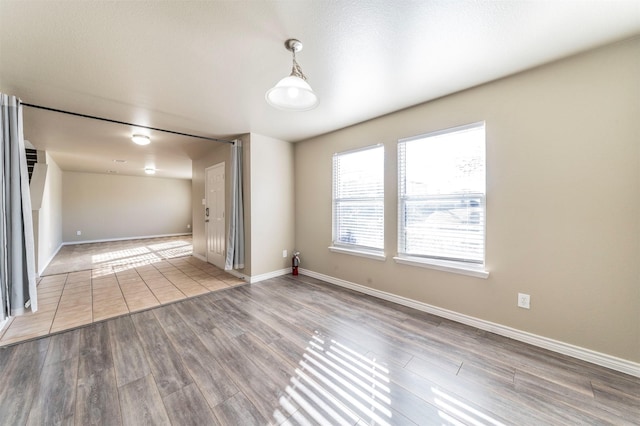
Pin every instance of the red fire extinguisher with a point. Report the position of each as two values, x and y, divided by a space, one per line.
295 262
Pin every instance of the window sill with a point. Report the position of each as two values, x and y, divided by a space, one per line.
362 253
443 265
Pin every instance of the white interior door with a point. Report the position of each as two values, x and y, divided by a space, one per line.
214 215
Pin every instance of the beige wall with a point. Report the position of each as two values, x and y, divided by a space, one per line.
271 204
48 230
107 207
563 202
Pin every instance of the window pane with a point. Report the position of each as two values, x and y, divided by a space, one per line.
358 198
445 227
360 223
442 190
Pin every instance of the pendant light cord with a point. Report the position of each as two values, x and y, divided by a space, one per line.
296 71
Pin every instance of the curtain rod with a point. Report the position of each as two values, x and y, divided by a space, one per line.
108 120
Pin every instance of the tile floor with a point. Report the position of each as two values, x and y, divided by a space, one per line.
110 289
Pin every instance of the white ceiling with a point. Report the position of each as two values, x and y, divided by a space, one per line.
203 67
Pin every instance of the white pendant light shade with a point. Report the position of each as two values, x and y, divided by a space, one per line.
139 139
292 94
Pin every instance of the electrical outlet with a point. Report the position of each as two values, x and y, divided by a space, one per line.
78 232
188 226
284 253
524 301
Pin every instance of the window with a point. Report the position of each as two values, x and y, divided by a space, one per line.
441 191
358 199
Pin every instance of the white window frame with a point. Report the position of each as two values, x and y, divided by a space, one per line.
460 266
376 253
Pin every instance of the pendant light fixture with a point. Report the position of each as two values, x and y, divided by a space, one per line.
139 139
292 93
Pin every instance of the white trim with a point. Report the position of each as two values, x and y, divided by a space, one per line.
49 260
238 274
598 358
442 265
106 240
199 256
362 148
257 278
269 275
4 323
247 278
359 252
453 129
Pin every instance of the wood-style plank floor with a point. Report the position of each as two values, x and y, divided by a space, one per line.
297 351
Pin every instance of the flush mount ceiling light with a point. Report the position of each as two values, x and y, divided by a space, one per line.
141 139
150 171
292 93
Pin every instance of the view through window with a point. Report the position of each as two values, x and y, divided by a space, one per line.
442 195
358 198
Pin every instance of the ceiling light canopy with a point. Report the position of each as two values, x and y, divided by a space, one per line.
141 139
293 93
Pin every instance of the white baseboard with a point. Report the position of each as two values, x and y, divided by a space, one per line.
41 270
106 240
598 358
268 275
238 274
250 279
233 272
3 323
257 278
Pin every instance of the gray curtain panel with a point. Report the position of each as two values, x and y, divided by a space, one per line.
17 257
235 240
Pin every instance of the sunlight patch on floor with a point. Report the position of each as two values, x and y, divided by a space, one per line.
334 384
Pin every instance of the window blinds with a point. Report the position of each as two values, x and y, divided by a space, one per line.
441 194
358 198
